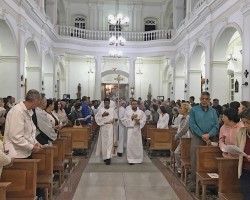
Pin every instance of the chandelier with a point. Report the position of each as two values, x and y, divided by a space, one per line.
118 20
115 53
117 40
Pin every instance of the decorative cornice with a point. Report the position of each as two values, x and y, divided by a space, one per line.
9 59
246 9
33 69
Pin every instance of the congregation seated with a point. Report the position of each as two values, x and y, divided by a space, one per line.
155 115
2 114
76 114
176 118
163 118
229 129
53 119
60 113
45 132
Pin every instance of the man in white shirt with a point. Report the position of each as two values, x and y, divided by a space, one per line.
120 130
19 127
134 120
105 145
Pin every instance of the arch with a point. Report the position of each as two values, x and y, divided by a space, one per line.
222 41
108 72
195 58
32 54
7 40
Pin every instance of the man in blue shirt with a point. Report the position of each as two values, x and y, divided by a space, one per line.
85 109
204 124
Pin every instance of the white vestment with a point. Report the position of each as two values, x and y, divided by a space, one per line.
163 121
105 141
134 138
120 134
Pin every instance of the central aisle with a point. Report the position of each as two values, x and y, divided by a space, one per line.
121 181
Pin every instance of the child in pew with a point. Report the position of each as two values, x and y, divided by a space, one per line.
243 142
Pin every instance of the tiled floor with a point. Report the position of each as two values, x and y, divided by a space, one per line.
121 181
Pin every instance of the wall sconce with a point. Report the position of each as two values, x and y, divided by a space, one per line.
186 85
206 88
246 73
42 83
132 90
21 77
246 84
22 85
207 81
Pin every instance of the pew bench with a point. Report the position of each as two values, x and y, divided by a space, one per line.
144 132
206 162
185 158
68 149
3 188
59 158
229 184
81 137
23 177
45 170
160 139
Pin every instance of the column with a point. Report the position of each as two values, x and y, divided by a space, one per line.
137 22
98 78
220 82
131 16
208 49
55 78
172 91
100 17
186 77
68 13
44 48
21 52
246 51
178 12
91 21
188 9
131 79
51 10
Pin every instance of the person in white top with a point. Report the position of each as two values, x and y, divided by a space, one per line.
105 145
19 127
176 118
163 118
134 120
4 158
120 130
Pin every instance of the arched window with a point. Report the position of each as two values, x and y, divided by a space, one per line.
80 22
150 24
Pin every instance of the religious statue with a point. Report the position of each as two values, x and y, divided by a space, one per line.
149 92
78 94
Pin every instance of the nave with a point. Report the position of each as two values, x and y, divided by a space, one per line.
121 181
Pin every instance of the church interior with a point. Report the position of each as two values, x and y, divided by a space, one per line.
80 54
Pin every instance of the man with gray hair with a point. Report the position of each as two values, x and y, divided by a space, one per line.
19 127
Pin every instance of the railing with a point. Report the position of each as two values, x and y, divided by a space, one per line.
69 31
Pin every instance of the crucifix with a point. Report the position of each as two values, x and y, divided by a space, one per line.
118 79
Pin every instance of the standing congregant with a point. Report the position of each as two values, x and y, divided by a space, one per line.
134 120
105 144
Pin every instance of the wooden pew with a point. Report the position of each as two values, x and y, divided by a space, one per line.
80 137
229 184
185 158
144 132
160 139
23 177
206 162
45 170
68 149
59 158
3 188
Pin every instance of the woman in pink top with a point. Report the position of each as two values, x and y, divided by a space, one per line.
229 130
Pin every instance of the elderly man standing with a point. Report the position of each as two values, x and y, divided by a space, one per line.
105 118
204 124
134 120
20 129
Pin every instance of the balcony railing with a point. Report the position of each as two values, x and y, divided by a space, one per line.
69 31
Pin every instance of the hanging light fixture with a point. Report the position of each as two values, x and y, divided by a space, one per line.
117 40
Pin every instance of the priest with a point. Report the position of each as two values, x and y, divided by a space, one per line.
134 120
105 145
